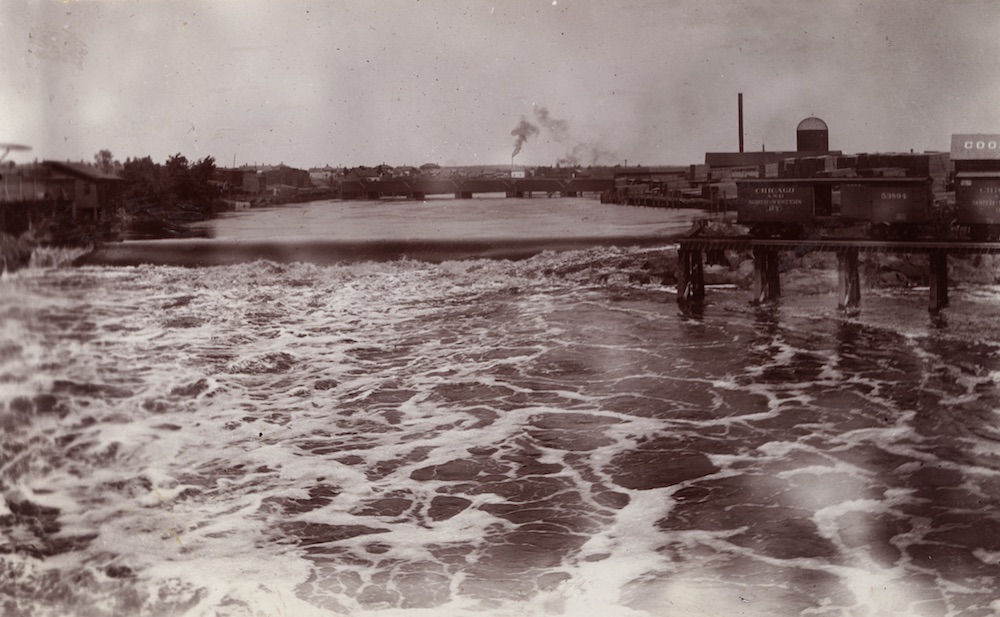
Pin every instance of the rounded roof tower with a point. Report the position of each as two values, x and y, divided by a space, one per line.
812 123
812 135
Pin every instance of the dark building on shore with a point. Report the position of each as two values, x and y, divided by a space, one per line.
287 176
244 180
78 192
255 180
93 191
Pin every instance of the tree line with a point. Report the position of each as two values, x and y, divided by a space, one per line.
164 196
178 180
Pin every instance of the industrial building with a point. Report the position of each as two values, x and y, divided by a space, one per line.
713 183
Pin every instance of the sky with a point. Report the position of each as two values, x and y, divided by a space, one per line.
408 82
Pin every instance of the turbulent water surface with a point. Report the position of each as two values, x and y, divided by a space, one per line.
538 437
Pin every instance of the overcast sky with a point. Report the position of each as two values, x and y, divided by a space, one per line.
361 82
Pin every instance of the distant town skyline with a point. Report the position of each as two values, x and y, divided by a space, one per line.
409 82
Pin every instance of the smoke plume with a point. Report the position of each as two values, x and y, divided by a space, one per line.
577 151
587 153
558 128
522 132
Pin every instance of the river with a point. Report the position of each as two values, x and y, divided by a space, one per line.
540 436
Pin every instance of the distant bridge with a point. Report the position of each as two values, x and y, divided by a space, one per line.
465 188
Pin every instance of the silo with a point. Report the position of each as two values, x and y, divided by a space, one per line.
812 135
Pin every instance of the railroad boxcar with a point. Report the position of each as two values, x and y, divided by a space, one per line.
892 208
770 208
977 204
889 207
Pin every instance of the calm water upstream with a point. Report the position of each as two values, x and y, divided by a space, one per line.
488 437
450 219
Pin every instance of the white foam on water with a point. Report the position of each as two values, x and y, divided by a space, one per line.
275 438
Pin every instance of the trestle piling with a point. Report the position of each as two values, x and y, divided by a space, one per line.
691 278
938 280
766 282
766 285
848 279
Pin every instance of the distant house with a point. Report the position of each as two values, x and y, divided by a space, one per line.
322 176
91 190
384 170
361 174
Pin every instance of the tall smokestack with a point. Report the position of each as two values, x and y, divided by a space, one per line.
739 102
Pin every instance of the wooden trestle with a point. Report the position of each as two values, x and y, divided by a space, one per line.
766 255
690 276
